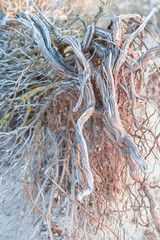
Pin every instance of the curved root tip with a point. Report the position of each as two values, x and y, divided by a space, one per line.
84 193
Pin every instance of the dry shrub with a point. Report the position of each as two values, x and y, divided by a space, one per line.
80 119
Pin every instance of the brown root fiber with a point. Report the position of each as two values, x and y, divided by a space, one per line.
76 118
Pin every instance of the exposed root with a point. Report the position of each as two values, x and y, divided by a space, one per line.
75 116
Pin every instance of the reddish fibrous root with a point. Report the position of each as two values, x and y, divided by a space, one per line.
145 187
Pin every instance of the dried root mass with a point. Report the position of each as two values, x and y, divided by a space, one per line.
75 117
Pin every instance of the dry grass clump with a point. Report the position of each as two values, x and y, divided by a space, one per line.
80 120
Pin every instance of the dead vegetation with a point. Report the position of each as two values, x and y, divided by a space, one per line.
80 119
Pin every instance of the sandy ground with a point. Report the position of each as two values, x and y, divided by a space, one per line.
15 206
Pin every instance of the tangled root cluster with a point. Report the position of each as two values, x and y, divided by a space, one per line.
79 120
